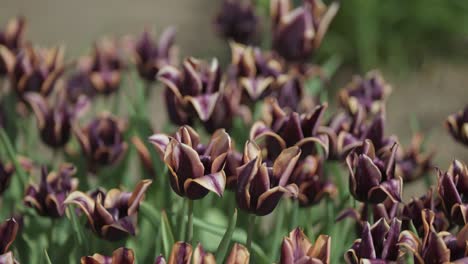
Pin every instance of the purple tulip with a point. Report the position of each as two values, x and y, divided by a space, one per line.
457 125
119 256
297 249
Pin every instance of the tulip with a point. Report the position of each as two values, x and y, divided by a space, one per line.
6 172
413 164
289 92
8 231
298 33
150 57
197 86
377 244
308 176
260 186
237 20
184 254
48 197
105 67
195 169
11 40
181 253
102 140
453 190
282 130
36 70
297 249
200 256
457 125
79 83
369 92
119 256
239 255
112 215
55 122
372 179
233 161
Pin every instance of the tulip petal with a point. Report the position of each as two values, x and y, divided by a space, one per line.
388 189
160 142
200 256
269 200
123 256
215 182
85 203
285 164
366 248
181 253
203 104
8 231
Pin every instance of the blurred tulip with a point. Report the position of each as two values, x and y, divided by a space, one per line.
369 92
112 215
200 256
237 20
102 140
8 231
372 179
197 86
48 197
6 172
289 92
181 253
11 40
297 249
55 122
260 186
79 83
413 163
453 190
150 57
119 256
457 125
308 176
106 67
145 155
195 169
36 70
377 244
298 33
281 130
239 255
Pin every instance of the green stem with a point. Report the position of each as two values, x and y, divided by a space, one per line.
251 224
181 221
189 234
280 213
294 215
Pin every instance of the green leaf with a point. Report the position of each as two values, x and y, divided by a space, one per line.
167 236
46 257
224 244
79 233
6 143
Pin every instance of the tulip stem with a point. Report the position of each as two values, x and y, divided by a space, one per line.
251 223
295 214
189 234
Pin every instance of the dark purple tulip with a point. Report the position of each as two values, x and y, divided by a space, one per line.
119 256
151 56
457 125
11 40
298 249
298 33
281 130
412 211
48 197
378 244
112 215
79 83
413 164
370 93
55 122
6 171
233 161
453 190
102 140
195 169
197 86
260 186
372 178
36 70
237 21
106 67
308 176
8 231
289 92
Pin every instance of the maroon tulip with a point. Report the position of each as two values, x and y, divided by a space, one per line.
196 86
195 169
105 67
102 141
112 215
237 21
6 171
308 176
150 57
453 190
260 186
36 70
297 249
281 130
457 125
11 40
370 93
372 178
8 231
119 256
48 197
298 33
377 244
55 122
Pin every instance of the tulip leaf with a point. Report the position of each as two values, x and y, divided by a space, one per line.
46 257
6 143
77 228
167 236
224 244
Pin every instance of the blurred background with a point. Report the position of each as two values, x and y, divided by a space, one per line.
420 46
